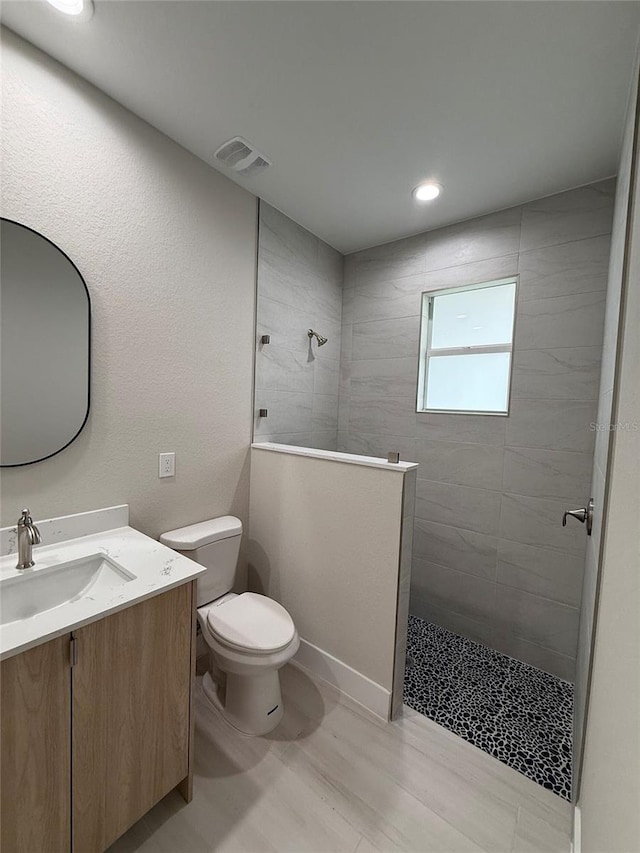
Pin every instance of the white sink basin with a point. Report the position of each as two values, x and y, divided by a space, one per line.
38 590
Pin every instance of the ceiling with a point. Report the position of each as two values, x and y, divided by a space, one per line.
357 102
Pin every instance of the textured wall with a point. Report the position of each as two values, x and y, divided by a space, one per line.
490 559
167 248
299 287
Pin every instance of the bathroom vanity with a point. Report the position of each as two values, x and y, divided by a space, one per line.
96 718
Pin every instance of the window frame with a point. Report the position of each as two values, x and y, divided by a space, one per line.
427 352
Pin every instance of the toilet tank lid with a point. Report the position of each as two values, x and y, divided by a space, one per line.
203 533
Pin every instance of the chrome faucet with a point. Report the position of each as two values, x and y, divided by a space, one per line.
28 536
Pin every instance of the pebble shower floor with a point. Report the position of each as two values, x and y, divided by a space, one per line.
520 715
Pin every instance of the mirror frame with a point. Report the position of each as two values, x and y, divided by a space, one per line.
89 365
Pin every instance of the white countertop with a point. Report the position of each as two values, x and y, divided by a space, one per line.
157 569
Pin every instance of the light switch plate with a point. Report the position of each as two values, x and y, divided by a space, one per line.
166 464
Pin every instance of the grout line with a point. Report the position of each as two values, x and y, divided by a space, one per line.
502 490
494 583
514 254
497 537
575 295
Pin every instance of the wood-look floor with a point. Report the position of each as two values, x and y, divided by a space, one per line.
334 779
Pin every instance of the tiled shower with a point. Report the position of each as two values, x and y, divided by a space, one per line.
491 561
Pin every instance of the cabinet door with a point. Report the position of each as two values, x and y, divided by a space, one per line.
131 703
35 745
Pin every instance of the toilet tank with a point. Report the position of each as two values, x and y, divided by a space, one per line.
214 544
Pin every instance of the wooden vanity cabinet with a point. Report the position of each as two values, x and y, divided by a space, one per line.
35 750
98 727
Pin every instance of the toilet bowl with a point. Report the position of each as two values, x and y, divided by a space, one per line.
248 641
249 636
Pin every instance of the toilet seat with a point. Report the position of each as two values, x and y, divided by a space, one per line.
251 623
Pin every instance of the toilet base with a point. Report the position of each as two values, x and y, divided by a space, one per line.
252 703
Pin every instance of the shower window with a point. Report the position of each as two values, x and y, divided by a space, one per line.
466 341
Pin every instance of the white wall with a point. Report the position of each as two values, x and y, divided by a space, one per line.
610 784
167 248
325 542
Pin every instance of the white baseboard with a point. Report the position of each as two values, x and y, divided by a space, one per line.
576 843
363 690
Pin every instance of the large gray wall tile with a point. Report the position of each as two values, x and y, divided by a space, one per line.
563 666
574 215
454 548
551 424
539 620
383 377
281 369
386 300
331 264
491 236
363 444
468 595
478 465
387 262
389 416
474 429
409 496
287 285
476 272
563 374
324 413
288 412
421 605
286 324
324 440
398 338
538 521
547 473
297 439
299 287
565 270
458 506
285 243
562 321
347 305
326 376
542 571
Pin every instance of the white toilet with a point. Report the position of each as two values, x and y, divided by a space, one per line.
249 636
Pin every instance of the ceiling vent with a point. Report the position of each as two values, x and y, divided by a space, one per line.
240 156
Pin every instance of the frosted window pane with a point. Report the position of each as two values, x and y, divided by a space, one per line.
473 317
470 383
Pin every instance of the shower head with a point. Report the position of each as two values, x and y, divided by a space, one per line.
321 340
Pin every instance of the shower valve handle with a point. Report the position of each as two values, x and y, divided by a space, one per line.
583 514
579 514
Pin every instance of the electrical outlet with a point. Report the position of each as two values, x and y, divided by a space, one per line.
166 464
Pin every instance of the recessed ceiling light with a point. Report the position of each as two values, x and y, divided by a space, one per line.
461 316
81 10
427 191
